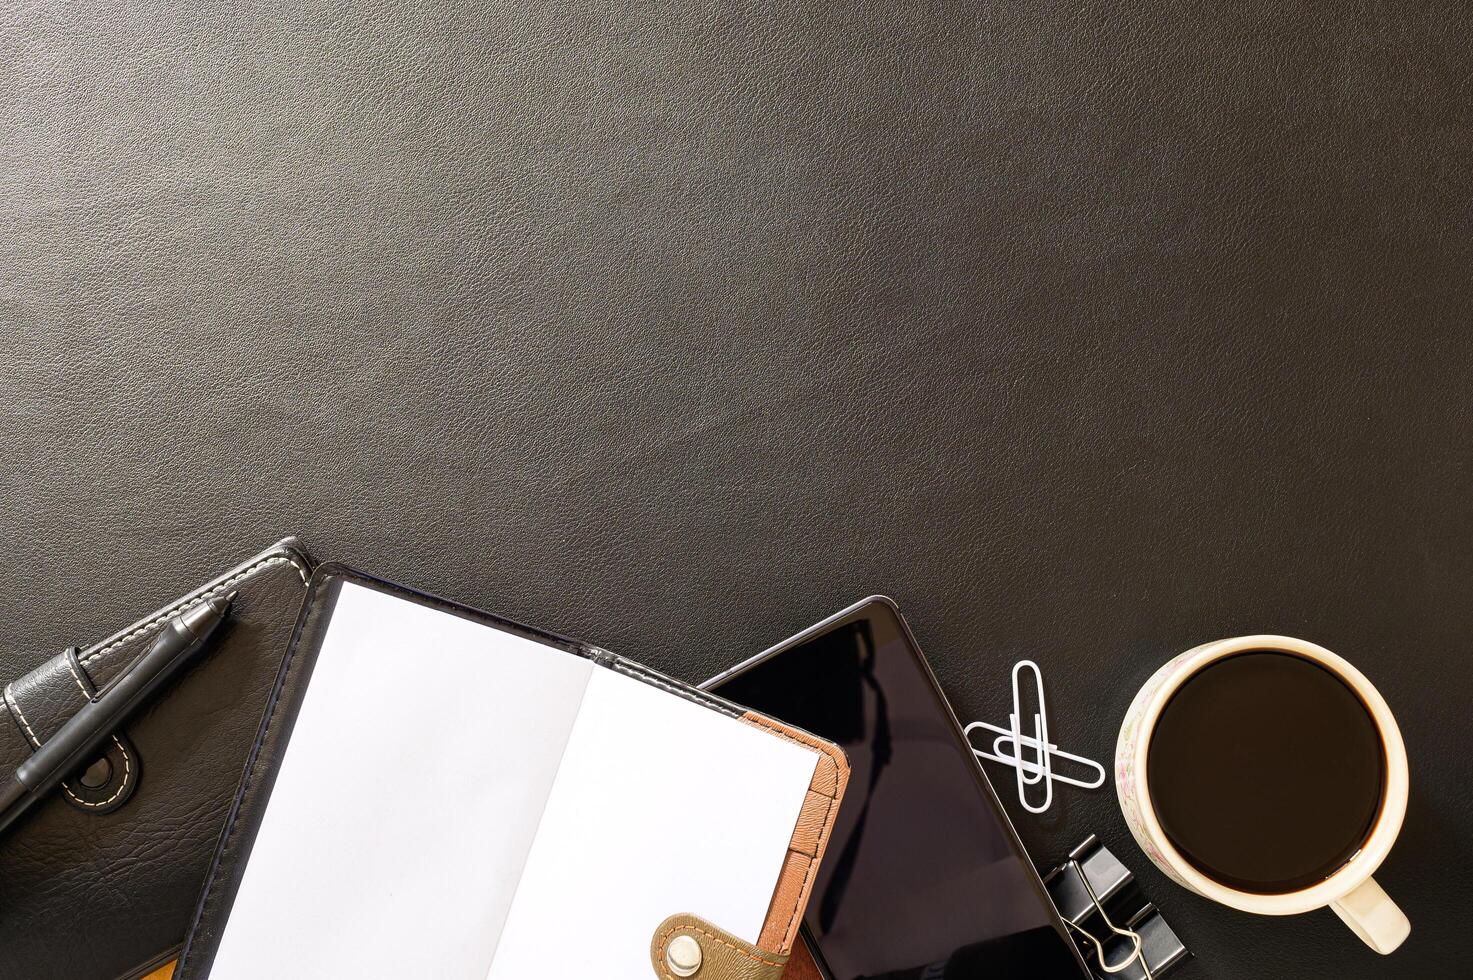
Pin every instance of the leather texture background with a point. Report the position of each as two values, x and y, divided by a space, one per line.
1088 332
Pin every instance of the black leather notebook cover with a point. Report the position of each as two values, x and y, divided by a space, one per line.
101 881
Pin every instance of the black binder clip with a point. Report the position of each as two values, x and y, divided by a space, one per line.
1121 935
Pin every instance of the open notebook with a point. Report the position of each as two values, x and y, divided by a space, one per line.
442 794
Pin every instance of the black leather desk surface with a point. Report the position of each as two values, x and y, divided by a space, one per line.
1088 333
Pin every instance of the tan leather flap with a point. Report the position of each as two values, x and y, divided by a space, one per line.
686 947
810 836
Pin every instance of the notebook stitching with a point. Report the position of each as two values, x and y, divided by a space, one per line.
15 709
633 670
127 771
127 759
828 811
254 759
168 611
85 693
827 827
808 873
10 702
648 677
665 938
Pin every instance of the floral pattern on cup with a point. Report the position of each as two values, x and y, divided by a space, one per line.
1126 750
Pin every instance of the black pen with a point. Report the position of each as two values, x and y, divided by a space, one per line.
75 742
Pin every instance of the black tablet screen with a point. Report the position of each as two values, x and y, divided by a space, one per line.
922 879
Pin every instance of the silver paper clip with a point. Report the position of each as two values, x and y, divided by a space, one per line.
1010 744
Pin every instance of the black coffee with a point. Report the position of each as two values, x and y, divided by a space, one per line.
1266 772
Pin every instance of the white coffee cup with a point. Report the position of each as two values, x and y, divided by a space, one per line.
1350 891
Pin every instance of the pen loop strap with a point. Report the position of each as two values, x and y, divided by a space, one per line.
41 701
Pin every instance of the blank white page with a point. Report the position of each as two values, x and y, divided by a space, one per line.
661 806
407 798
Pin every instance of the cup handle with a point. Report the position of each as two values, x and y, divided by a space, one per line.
1374 917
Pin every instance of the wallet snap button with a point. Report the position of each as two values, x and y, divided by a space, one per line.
97 775
683 956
